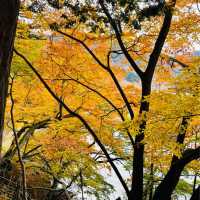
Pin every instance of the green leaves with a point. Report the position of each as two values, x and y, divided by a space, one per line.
183 187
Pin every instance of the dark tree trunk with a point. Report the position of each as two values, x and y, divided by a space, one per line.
146 78
138 157
9 10
196 194
151 182
167 186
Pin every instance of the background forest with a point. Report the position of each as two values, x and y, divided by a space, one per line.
99 99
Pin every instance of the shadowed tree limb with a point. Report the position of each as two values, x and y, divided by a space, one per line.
146 79
99 94
174 60
166 187
85 46
24 132
177 165
196 194
160 42
181 136
9 10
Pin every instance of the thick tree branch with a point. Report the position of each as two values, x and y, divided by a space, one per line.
9 10
188 156
167 186
119 39
181 136
159 42
177 165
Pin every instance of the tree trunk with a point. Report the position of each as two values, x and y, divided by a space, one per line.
151 182
138 157
9 10
167 186
196 194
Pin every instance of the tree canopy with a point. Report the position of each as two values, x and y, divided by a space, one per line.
96 87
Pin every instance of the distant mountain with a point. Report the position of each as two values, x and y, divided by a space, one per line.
132 77
196 53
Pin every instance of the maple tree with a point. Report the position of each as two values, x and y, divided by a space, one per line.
150 124
59 150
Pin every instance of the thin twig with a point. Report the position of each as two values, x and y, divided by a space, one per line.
23 173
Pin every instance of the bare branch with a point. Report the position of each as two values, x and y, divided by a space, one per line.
174 60
159 43
189 155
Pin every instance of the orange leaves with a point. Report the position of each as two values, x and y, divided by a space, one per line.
185 3
163 75
60 142
86 86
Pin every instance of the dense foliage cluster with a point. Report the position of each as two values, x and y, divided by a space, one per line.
101 87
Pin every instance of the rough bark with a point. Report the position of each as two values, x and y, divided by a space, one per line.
9 10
